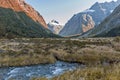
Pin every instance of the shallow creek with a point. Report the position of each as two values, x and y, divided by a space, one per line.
28 72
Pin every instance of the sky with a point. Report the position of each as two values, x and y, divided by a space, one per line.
61 10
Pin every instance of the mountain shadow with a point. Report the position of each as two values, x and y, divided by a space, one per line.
18 24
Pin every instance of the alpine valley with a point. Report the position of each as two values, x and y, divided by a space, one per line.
86 48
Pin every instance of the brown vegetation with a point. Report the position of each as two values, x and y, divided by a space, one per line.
92 51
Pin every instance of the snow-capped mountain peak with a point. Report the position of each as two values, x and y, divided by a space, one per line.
55 26
54 21
89 18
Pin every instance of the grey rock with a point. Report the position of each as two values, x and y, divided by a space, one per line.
85 23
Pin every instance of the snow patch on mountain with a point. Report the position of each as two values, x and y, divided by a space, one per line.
88 10
89 18
111 11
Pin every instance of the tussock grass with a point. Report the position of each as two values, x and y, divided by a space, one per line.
90 51
98 72
111 72
39 78
100 55
12 58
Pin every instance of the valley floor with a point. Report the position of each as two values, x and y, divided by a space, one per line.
95 53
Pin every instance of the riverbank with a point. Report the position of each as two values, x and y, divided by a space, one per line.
98 72
90 51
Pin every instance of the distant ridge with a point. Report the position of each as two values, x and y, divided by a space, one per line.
88 19
110 27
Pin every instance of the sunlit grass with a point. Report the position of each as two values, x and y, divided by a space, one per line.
93 51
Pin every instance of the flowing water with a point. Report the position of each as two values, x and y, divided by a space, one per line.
28 72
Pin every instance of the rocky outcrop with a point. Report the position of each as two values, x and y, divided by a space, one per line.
55 26
78 24
21 6
95 14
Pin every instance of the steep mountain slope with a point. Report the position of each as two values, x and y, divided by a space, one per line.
21 6
77 25
54 26
19 20
110 27
80 23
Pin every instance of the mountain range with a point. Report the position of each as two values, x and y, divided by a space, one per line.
109 27
18 19
88 19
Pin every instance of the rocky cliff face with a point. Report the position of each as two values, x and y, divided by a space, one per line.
109 27
77 25
80 23
55 26
21 6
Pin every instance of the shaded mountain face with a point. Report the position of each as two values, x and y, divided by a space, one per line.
55 26
17 22
109 27
88 19
77 25
21 6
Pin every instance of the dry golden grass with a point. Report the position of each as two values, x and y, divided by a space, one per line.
93 51
111 72
39 79
93 73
